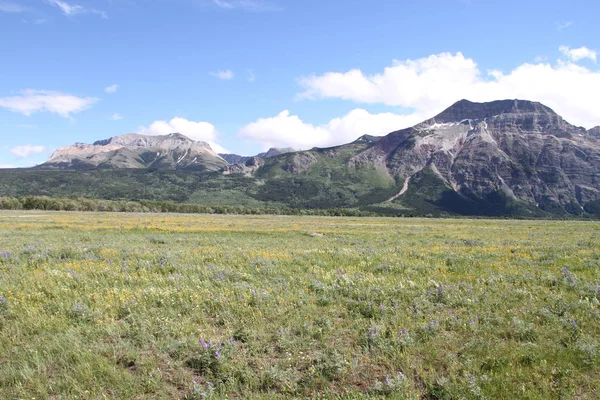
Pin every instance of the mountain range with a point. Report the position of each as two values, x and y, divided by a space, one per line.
508 157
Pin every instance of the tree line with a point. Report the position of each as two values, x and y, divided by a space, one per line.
147 206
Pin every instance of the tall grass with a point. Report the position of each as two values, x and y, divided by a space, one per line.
102 305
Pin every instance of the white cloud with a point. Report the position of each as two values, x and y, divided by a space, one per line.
71 10
223 4
563 25
111 88
27 150
430 84
223 75
289 130
116 117
31 101
67 8
202 131
7 166
27 126
247 5
251 76
10 7
195 130
578 53
217 148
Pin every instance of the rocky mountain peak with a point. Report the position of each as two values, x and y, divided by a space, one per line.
132 150
135 140
367 139
275 151
465 110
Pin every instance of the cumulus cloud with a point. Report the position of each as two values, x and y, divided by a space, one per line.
428 85
195 130
289 130
71 10
203 131
31 101
223 75
217 148
7 166
579 53
27 150
111 88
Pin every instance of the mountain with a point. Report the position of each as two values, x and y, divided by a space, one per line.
272 152
234 158
276 151
509 156
501 158
173 151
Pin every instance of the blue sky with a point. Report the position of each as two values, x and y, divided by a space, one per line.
250 74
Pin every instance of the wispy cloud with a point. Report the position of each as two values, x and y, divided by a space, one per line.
31 101
111 88
71 10
579 53
26 126
10 7
116 117
248 5
251 76
27 150
223 75
563 25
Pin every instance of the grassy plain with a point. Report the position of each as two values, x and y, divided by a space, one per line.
138 306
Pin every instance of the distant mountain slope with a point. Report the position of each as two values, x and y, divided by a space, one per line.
272 152
173 151
497 157
502 158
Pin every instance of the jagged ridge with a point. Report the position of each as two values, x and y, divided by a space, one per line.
173 151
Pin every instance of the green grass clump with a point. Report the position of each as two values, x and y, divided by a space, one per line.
138 306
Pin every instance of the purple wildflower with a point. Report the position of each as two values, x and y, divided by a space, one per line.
5 254
203 344
432 326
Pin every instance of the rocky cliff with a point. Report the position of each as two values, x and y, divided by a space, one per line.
173 151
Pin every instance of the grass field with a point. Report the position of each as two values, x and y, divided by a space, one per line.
132 306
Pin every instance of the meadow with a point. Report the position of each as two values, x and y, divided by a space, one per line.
168 306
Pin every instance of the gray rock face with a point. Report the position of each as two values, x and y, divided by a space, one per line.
521 148
173 151
247 168
272 152
234 158
275 151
